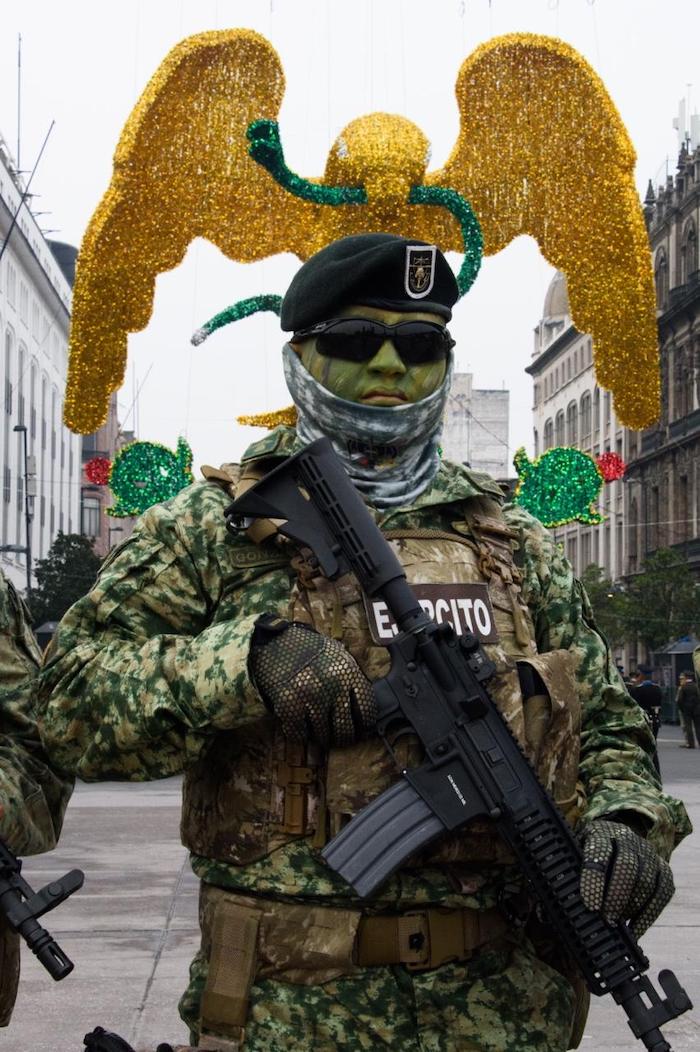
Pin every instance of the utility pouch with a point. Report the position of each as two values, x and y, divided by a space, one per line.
232 966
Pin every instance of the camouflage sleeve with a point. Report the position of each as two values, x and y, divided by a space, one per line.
616 768
33 796
140 673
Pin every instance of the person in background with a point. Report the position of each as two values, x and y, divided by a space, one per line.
648 696
688 701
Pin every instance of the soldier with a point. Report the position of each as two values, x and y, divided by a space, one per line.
33 797
688 701
167 666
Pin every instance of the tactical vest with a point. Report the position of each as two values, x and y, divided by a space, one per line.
252 792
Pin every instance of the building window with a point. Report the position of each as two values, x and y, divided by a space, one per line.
571 551
8 374
682 390
90 517
11 285
682 525
537 442
559 432
586 417
44 407
689 252
661 278
571 424
36 319
548 435
21 365
32 399
632 545
23 303
607 410
585 549
7 485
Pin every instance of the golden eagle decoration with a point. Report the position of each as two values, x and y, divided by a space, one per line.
541 151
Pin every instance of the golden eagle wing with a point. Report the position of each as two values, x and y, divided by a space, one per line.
542 151
181 171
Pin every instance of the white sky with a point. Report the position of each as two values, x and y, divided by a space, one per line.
85 62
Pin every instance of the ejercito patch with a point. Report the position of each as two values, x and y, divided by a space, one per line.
420 270
467 607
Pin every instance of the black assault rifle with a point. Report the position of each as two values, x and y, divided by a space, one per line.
21 906
473 765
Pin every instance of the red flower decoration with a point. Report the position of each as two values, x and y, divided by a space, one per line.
97 470
611 466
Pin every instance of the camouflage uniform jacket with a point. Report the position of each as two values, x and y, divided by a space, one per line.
32 796
148 677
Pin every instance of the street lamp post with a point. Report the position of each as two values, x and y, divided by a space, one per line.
28 505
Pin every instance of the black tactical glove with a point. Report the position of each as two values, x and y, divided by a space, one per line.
622 876
311 683
101 1040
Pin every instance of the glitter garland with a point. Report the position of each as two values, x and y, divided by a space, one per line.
612 466
541 151
287 416
97 470
266 149
242 309
560 486
473 242
146 473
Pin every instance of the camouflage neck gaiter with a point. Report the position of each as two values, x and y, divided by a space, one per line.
390 452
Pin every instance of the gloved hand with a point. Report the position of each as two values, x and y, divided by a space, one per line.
311 683
622 876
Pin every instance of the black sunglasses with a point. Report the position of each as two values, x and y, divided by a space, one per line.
359 339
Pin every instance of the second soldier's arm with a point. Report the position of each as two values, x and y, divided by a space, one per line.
33 796
154 659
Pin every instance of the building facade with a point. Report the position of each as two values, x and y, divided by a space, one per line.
664 491
569 409
35 302
103 530
475 428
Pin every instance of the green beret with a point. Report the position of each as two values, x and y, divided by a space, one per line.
371 270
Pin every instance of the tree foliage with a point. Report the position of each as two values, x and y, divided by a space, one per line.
608 604
66 574
657 606
662 603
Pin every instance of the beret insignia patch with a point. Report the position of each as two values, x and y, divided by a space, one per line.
420 270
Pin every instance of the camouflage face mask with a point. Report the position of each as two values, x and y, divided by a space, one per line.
390 452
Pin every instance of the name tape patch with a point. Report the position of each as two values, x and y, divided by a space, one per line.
467 607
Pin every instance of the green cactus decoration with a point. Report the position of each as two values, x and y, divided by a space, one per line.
560 486
146 473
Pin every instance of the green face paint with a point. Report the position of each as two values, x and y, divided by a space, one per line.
383 380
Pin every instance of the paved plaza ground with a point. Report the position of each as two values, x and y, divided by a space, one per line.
132 930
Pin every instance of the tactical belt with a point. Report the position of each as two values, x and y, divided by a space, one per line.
245 937
425 939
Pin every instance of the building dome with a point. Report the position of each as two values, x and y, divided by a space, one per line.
556 301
